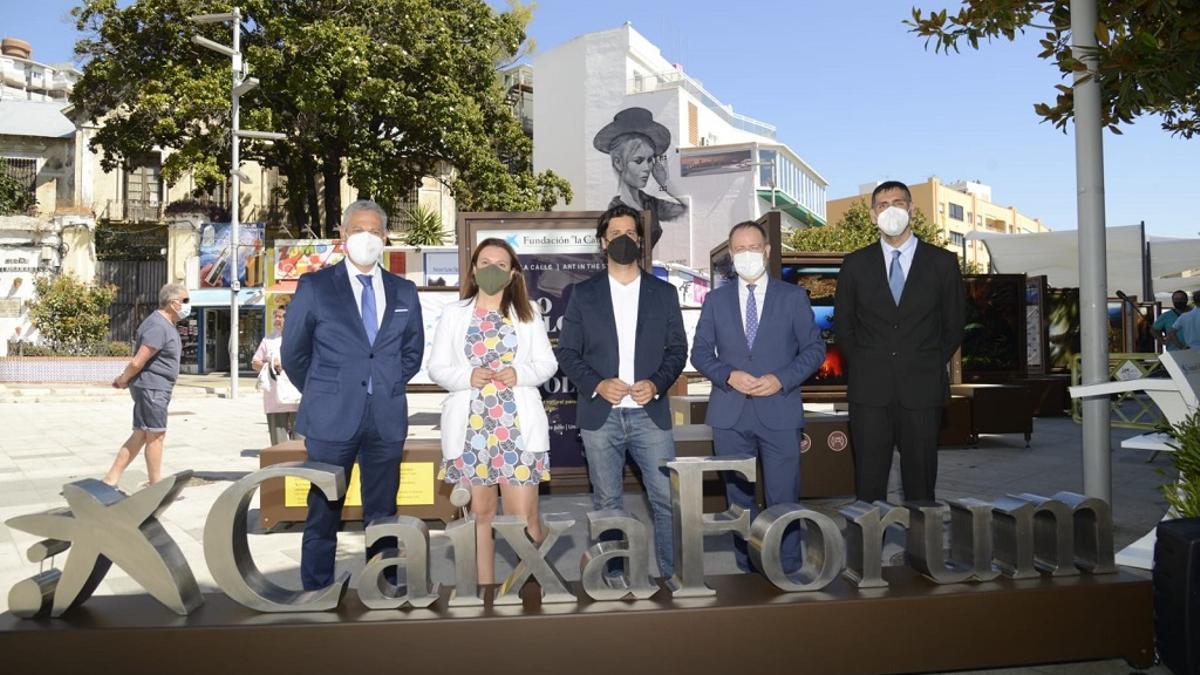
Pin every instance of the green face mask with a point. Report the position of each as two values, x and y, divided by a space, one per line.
492 279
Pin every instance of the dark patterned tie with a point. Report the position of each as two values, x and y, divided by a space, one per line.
751 316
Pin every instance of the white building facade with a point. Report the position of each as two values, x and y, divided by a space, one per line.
608 105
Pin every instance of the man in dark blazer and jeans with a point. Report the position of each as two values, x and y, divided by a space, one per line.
898 317
622 344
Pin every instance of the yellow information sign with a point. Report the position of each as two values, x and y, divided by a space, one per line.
416 487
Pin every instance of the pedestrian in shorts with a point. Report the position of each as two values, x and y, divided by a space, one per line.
150 378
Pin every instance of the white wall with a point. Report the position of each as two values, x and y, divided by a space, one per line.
558 116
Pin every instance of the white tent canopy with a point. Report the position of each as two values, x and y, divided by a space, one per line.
1056 255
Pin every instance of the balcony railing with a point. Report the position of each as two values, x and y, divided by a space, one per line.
142 210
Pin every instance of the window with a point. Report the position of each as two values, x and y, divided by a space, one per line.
956 211
693 114
970 217
143 190
766 173
958 239
23 169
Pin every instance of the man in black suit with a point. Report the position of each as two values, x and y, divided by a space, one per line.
622 344
898 317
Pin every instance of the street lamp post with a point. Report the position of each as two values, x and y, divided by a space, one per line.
1093 285
241 84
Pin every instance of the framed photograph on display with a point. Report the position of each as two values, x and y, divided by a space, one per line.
1145 341
994 347
1062 328
1035 325
818 274
432 300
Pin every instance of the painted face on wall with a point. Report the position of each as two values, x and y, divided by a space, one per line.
632 158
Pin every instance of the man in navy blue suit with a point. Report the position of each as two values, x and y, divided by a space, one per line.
353 340
622 344
757 342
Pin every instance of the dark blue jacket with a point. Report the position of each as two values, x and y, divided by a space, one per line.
587 346
327 356
787 345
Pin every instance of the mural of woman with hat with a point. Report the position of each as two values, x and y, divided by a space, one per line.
637 146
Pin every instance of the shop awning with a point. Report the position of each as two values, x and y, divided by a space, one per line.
1131 257
219 297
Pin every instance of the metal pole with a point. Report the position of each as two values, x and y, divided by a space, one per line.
1093 288
1147 280
234 233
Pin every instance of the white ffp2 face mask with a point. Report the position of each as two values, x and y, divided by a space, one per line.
749 264
364 248
893 221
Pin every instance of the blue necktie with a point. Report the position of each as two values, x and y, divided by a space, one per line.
370 323
896 277
751 316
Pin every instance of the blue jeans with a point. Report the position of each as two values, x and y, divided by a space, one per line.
631 430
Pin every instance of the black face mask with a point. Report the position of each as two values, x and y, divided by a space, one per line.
1181 306
624 250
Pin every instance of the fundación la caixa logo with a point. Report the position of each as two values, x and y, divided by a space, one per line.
1016 536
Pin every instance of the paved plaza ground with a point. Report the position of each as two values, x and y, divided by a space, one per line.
53 436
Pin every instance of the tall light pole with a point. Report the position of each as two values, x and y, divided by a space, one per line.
1093 265
240 85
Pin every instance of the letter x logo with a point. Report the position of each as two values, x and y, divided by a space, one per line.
101 527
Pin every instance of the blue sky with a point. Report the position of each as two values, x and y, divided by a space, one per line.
859 98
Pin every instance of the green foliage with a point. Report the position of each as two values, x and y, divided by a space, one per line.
71 315
423 227
14 197
215 213
855 230
116 241
383 92
1148 53
1184 495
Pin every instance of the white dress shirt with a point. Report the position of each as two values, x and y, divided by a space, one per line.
376 282
625 311
907 250
760 296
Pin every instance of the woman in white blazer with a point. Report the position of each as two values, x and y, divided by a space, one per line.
490 351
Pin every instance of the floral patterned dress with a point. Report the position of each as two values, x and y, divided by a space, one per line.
494 451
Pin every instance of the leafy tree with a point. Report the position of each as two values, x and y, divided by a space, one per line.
71 315
382 92
117 241
855 230
423 227
1148 52
15 198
